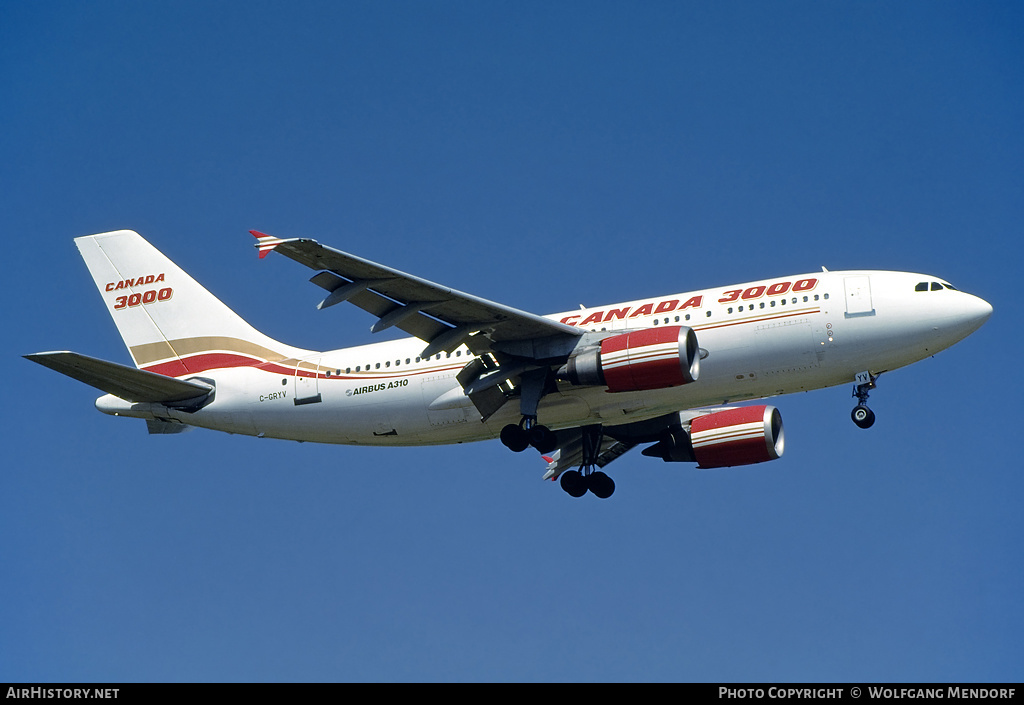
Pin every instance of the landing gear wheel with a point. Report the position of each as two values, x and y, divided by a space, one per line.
600 484
542 438
514 438
573 483
862 416
588 477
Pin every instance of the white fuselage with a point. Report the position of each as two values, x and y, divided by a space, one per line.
761 339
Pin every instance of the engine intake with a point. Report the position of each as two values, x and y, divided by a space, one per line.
652 358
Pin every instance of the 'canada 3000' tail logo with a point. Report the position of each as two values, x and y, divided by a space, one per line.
136 298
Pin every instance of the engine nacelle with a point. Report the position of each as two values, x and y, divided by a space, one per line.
652 358
751 434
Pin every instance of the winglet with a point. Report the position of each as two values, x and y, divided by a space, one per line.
266 242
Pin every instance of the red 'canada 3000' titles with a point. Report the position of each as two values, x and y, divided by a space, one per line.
668 305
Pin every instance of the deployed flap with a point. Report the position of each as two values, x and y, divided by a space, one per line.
570 452
429 311
159 426
122 381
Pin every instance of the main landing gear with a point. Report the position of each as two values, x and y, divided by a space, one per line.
861 414
576 483
588 477
518 438
529 433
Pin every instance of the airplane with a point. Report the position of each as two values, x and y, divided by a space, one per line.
674 373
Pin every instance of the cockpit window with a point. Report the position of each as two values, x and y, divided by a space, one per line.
934 286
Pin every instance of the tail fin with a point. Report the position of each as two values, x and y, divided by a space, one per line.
170 323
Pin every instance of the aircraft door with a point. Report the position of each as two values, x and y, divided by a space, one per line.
307 381
858 296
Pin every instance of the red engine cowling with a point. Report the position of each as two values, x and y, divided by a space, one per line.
744 436
652 358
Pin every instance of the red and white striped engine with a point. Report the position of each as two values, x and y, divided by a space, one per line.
743 436
652 358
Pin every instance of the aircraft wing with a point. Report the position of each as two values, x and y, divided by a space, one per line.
618 440
442 317
569 454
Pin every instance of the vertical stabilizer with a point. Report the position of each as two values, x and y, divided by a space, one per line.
170 323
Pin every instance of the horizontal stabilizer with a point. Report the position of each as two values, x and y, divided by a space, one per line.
122 381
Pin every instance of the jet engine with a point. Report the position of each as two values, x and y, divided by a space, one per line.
652 358
751 434
742 436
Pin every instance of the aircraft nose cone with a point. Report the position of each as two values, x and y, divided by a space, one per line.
977 310
971 313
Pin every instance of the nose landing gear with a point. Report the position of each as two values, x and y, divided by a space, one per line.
861 414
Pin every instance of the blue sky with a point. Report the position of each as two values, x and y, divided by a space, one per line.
542 155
